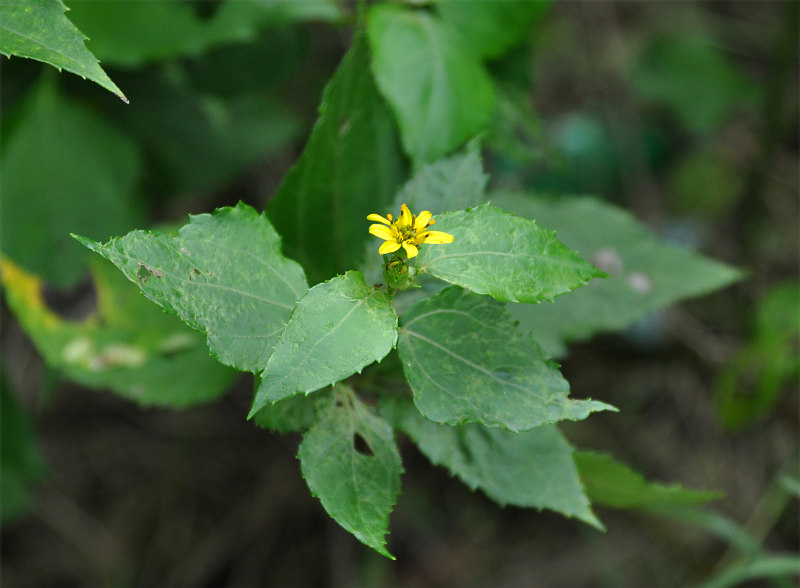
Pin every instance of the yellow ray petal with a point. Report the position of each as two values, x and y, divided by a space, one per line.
438 237
422 220
411 249
380 219
389 247
405 216
383 232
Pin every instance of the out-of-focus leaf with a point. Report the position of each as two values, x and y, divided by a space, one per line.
441 94
350 167
646 274
488 27
130 345
223 274
21 461
38 29
201 142
130 33
693 78
510 258
451 183
467 362
336 329
350 462
529 469
705 183
64 170
769 364
611 483
290 415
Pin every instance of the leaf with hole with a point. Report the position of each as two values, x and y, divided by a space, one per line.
350 461
222 274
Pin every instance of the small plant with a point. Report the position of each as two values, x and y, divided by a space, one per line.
444 331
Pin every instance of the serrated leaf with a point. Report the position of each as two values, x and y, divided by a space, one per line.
509 258
129 345
335 330
350 461
65 169
440 92
350 165
467 362
450 183
529 469
223 274
611 483
488 27
645 273
38 29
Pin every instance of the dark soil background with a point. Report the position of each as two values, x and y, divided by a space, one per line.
200 498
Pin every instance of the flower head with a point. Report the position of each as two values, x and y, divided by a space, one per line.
407 231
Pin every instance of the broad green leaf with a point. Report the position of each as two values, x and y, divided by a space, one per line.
129 345
131 33
695 78
21 461
38 29
287 416
768 365
335 330
65 170
488 27
466 361
529 469
510 258
222 274
440 92
451 183
351 166
350 461
646 274
611 483
202 143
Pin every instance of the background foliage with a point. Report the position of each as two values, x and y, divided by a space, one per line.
684 116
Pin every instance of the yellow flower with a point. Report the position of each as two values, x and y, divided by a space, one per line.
408 231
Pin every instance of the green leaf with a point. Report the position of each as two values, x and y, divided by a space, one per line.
131 33
450 183
611 483
335 330
39 30
290 415
199 142
64 169
695 78
507 257
351 166
466 361
350 461
223 274
439 91
646 274
530 469
129 345
489 28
